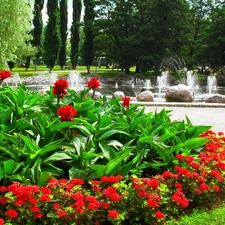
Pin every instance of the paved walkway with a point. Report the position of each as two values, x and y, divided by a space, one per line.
198 113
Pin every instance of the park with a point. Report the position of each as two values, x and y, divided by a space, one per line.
75 151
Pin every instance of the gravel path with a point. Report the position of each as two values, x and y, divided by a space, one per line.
213 115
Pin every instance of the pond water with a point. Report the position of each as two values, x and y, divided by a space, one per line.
44 81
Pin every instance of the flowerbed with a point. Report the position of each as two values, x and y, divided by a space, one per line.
195 182
67 158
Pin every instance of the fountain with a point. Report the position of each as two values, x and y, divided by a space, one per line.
116 85
191 79
148 83
211 84
162 81
74 79
54 77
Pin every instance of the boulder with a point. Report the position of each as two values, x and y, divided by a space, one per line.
118 94
96 96
216 99
180 93
145 96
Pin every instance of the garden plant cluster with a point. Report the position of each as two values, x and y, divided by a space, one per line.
67 158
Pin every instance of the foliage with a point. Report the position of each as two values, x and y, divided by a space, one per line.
15 23
75 36
63 32
87 48
38 27
107 137
198 183
52 38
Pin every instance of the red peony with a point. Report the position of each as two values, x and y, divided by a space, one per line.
114 214
67 113
60 87
94 83
126 101
11 213
4 74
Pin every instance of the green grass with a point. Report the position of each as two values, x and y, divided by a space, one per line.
102 72
215 217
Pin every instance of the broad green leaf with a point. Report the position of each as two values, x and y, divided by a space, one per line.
58 156
108 152
115 162
9 166
79 173
43 178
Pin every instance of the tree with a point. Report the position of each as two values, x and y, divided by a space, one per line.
214 50
15 23
63 31
75 37
87 50
52 39
38 27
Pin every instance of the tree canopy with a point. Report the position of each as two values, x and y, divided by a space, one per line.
15 20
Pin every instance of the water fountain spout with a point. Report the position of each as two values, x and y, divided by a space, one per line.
148 83
191 79
74 79
211 84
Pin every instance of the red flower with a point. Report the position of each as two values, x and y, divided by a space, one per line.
216 188
153 183
126 101
180 199
105 205
45 198
11 213
61 213
94 83
2 222
115 197
67 113
3 189
5 74
4 200
35 209
159 215
204 187
60 87
46 190
109 191
152 203
113 213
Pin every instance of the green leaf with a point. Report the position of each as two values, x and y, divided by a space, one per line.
43 178
6 115
9 166
58 156
108 152
116 161
79 173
